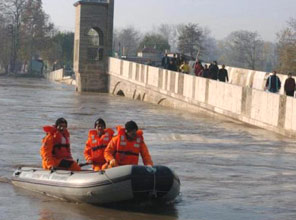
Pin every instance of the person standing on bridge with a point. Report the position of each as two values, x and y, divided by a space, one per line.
273 83
223 74
165 61
98 139
290 85
198 68
125 148
213 70
55 150
185 68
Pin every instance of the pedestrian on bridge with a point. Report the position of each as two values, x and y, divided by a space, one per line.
290 85
213 70
273 83
185 68
223 74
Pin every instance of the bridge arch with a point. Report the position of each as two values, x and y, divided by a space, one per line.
139 97
120 93
161 101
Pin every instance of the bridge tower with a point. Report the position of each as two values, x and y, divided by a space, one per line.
93 44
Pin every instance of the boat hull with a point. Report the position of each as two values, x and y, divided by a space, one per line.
113 185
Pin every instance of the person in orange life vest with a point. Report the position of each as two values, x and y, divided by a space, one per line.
97 141
55 150
124 149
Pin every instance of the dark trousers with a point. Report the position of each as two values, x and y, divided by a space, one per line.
290 93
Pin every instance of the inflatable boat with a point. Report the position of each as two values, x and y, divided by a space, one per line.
138 183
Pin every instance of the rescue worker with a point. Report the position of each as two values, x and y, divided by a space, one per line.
55 150
125 148
98 139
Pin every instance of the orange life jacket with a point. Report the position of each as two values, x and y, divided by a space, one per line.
61 142
99 144
127 152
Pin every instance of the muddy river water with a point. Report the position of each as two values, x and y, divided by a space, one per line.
228 170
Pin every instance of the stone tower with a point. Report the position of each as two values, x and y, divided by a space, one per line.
93 44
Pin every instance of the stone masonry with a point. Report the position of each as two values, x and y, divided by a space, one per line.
93 44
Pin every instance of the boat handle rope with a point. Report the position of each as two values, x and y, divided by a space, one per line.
154 193
153 171
108 178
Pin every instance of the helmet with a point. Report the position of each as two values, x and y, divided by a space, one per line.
60 121
100 122
131 125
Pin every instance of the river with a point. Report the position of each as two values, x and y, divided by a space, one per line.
228 170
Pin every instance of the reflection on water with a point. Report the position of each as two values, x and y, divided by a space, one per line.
228 170
48 208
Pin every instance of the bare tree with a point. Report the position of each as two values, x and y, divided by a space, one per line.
190 39
287 47
5 44
13 10
209 49
243 49
127 41
36 29
28 29
270 59
169 32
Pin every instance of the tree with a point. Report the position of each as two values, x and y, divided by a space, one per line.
5 44
169 32
243 49
36 30
209 49
29 29
190 39
287 47
127 41
270 58
60 48
13 10
155 41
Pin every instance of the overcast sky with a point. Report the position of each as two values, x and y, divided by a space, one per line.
267 17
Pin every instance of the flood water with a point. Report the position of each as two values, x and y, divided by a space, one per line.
228 170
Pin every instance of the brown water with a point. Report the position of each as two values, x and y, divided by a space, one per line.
228 170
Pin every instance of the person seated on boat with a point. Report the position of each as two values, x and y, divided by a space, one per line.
97 141
124 149
55 150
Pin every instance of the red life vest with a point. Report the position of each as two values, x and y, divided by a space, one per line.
99 144
127 152
61 143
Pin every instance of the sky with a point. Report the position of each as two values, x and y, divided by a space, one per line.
221 17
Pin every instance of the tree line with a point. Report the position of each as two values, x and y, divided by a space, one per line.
243 49
26 33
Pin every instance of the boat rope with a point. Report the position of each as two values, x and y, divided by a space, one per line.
153 171
154 193
108 178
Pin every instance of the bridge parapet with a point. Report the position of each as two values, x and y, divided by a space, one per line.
159 86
